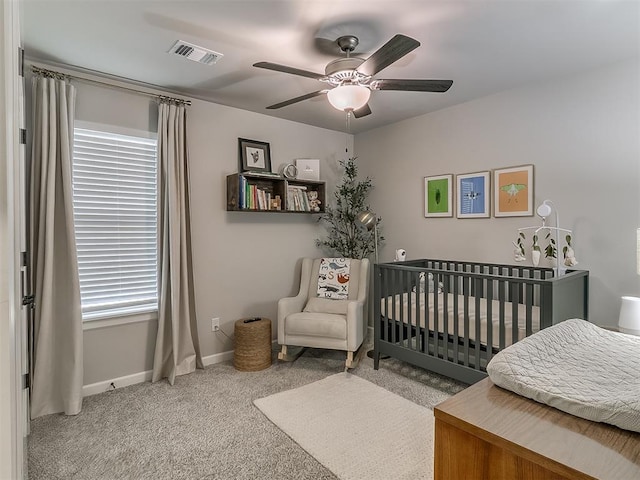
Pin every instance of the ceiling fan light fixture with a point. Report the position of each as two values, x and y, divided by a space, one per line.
348 97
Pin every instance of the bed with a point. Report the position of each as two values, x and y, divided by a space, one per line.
452 317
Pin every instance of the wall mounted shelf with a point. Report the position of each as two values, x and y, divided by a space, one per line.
248 192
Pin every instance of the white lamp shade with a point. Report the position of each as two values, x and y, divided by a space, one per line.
629 321
348 97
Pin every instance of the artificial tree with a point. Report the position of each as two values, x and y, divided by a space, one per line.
345 237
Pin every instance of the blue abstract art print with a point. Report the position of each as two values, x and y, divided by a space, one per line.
473 195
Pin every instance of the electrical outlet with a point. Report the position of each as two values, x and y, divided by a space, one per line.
215 324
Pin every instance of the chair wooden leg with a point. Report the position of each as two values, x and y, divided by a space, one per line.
290 355
349 362
283 353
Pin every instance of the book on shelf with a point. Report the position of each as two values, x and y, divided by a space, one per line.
253 197
241 188
297 199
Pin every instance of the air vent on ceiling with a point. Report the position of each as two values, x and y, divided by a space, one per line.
195 53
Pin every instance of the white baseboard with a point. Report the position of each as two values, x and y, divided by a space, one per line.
141 377
217 358
119 382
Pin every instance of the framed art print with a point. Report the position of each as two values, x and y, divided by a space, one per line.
473 195
254 156
513 191
438 196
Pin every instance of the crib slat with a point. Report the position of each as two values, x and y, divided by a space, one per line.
397 295
384 288
445 326
514 315
415 345
489 320
415 330
529 310
465 318
424 348
456 322
478 338
502 287
390 303
436 313
404 316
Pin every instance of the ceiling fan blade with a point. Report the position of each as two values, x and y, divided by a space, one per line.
393 50
413 85
296 100
291 70
362 111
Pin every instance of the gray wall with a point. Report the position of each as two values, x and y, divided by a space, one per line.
243 262
582 135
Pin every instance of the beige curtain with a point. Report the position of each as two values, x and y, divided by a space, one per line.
177 345
57 336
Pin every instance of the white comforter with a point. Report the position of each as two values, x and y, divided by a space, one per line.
578 368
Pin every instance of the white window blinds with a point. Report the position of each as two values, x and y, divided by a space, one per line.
115 210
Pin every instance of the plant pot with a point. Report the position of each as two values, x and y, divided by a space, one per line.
535 257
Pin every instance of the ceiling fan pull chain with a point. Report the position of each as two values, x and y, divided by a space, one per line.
346 138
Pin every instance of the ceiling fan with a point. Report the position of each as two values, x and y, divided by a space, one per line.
351 78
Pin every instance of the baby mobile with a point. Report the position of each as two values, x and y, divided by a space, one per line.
551 234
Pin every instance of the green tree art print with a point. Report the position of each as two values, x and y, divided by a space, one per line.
438 196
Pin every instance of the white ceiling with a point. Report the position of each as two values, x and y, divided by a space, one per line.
483 46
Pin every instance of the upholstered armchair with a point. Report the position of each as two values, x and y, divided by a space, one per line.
311 320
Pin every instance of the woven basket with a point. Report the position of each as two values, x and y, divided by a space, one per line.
252 345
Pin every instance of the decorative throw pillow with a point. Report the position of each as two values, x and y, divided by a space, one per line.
333 278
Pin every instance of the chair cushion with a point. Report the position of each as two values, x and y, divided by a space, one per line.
326 305
317 325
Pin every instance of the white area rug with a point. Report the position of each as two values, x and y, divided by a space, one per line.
355 428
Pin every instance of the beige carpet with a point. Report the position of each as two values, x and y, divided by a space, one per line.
356 429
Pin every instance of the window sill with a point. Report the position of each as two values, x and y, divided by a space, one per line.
121 320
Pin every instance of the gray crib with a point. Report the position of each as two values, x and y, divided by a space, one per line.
451 317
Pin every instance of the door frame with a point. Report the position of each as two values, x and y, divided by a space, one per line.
12 410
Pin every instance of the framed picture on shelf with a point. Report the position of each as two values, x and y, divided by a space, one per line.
513 191
308 169
473 195
438 196
254 156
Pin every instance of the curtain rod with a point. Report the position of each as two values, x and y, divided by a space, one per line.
63 76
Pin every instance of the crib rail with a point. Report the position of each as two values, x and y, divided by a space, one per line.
461 313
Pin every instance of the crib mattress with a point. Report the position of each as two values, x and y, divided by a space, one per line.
407 311
578 368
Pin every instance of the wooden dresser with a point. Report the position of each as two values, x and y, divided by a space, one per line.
488 433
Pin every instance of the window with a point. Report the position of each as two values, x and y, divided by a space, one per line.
115 210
